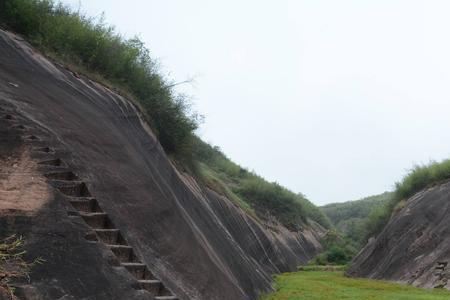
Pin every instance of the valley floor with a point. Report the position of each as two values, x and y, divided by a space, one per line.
317 285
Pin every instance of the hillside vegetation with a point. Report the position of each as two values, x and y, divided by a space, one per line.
91 47
256 195
315 285
352 217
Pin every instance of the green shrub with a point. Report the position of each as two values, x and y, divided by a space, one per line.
338 250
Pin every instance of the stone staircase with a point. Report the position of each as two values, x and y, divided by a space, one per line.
442 273
84 205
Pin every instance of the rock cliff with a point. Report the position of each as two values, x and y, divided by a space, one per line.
86 182
414 247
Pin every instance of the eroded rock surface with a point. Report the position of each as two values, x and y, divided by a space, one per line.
89 163
414 247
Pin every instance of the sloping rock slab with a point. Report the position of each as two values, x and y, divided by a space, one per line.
414 247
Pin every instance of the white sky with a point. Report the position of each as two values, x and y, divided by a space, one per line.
334 99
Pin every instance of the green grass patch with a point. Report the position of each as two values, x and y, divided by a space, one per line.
334 285
325 268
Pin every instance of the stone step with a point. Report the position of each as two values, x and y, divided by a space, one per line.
109 236
138 270
19 127
91 236
53 163
31 138
152 286
85 204
62 175
97 220
71 188
42 149
123 252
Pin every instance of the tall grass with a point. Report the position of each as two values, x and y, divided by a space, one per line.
126 63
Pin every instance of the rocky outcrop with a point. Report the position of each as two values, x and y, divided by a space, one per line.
86 182
414 247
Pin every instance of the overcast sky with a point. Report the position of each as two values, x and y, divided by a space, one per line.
334 99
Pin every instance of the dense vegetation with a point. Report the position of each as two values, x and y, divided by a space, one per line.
313 285
339 213
265 199
338 250
352 218
351 221
95 49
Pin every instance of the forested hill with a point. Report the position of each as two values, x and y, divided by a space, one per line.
352 217
338 213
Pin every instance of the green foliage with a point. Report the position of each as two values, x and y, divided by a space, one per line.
420 177
357 219
338 250
338 212
319 285
125 63
266 199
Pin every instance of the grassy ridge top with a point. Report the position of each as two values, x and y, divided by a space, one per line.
256 195
98 51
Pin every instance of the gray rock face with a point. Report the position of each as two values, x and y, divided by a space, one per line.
84 179
414 247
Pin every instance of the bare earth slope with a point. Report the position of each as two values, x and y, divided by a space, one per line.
414 247
81 175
